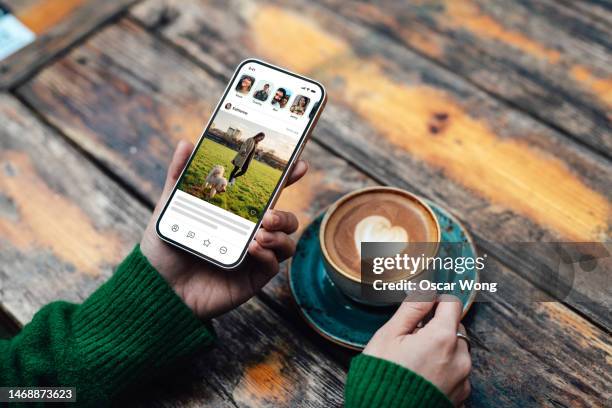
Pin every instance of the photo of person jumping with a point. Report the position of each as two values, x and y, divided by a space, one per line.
244 156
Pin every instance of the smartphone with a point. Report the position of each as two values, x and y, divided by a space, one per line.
241 162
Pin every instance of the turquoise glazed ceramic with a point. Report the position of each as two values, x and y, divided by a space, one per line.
335 316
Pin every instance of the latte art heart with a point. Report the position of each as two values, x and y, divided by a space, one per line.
376 228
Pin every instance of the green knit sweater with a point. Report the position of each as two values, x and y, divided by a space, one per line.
135 324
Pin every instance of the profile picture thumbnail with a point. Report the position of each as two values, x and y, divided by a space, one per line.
263 89
281 97
245 84
299 105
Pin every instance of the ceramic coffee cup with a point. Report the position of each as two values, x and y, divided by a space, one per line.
374 214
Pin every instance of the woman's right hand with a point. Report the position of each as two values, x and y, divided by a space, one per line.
433 351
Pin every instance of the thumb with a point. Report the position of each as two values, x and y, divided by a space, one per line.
448 313
408 316
179 161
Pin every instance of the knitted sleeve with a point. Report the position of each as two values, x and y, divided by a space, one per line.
373 382
132 325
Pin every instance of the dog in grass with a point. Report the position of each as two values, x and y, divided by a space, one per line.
215 182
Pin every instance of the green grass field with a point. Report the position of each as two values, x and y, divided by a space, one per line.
251 191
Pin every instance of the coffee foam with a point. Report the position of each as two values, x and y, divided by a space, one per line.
377 228
375 216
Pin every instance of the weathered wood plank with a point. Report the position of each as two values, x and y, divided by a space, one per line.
520 362
108 88
64 225
541 56
596 9
58 25
410 123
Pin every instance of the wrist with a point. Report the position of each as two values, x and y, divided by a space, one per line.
160 256
177 269
165 262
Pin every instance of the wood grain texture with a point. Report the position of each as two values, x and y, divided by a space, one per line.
64 226
58 25
510 335
542 56
62 222
527 355
409 123
595 9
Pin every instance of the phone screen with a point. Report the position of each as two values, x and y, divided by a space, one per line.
242 158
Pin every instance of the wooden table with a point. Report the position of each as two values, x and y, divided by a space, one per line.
499 110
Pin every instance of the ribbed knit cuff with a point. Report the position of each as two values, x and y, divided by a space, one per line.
374 382
133 325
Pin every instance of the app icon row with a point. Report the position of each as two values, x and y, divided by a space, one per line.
192 235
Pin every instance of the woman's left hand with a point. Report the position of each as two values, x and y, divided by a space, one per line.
210 291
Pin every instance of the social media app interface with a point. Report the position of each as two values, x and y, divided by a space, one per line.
239 162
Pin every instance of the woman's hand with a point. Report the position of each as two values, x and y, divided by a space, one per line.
210 291
433 351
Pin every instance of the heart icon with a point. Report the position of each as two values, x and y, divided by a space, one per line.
376 228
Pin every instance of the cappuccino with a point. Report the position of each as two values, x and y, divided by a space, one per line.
377 214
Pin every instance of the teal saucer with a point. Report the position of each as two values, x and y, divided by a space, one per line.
342 320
